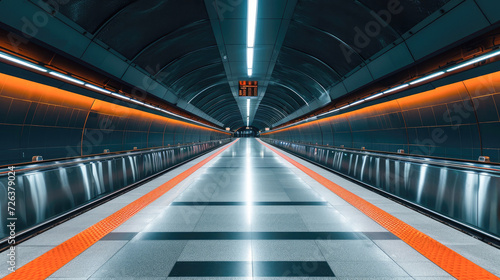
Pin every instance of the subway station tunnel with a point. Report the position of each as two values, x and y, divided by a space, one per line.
250 139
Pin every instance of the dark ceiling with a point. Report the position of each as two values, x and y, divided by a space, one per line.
304 48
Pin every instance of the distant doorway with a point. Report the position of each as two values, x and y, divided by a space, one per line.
246 131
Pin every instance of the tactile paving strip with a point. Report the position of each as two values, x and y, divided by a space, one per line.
449 260
48 263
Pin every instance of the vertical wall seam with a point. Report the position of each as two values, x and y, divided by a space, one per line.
477 119
84 127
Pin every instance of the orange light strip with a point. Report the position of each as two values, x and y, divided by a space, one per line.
442 95
449 260
48 263
30 91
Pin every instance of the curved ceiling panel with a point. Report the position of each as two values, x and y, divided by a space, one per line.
321 43
410 13
203 86
180 82
322 46
306 63
217 101
91 14
299 83
183 42
348 20
144 22
281 100
206 60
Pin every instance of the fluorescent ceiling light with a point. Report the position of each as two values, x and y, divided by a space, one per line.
427 77
136 101
476 60
22 62
97 88
67 78
250 58
251 26
396 88
357 102
251 23
248 107
120 96
374 96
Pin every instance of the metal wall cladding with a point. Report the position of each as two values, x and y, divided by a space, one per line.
460 121
469 194
44 191
39 120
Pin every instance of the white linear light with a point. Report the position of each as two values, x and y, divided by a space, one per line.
120 96
396 88
427 77
98 88
374 96
251 26
250 58
251 23
22 62
476 60
136 101
67 78
356 103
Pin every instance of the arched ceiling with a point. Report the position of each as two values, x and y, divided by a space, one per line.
172 40
305 49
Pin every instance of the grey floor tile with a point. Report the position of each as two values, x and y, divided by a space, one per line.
90 260
57 278
426 268
217 250
286 250
142 259
129 278
24 255
367 269
400 251
352 250
176 218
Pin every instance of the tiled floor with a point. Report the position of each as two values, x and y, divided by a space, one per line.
245 215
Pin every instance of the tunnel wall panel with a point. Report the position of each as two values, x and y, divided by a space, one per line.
457 121
40 120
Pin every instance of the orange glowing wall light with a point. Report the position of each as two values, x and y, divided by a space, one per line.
460 91
26 90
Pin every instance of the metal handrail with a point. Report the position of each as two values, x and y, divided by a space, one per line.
493 168
57 163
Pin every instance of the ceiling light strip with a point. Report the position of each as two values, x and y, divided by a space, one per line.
19 61
67 78
251 27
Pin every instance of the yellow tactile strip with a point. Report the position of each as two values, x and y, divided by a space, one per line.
48 263
449 260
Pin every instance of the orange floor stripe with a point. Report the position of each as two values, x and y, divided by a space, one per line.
449 260
48 263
